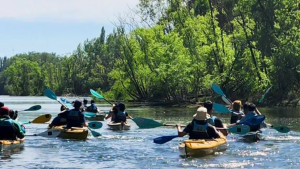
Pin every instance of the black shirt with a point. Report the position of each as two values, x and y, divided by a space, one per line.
209 133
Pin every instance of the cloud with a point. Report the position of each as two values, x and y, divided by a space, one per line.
62 10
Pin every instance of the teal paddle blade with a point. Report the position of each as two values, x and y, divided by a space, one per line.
164 139
89 114
220 108
33 108
218 90
94 133
144 123
263 96
239 129
50 94
95 125
282 129
96 94
66 103
226 100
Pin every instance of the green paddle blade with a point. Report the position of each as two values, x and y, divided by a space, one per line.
96 94
94 133
282 129
239 129
220 108
89 114
144 123
33 108
95 125
50 94
263 96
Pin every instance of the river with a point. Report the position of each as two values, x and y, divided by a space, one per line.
135 148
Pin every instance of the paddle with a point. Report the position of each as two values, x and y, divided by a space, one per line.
99 96
66 102
220 108
94 133
237 129
218 90
50 133
50 94
95 125
33 108
41 119
263 96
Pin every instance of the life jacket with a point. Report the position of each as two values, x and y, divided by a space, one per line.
119 117
234 116
199 131
7 131
92 108
211 120
73 118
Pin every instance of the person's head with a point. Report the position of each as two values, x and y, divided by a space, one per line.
121 107
245 107
251 107
92 101
237 105
1 104
77 104
209 106
62 108
201 114
85 101
4 111
13 114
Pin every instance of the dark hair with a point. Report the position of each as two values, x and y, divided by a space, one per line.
92 101
208 105
85 101
251 107
246 106
121 107
1 104
77 104
62 108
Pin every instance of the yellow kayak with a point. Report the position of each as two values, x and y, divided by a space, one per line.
72 133
202 147
11 143
118 126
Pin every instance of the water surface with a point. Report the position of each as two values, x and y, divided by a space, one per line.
135 148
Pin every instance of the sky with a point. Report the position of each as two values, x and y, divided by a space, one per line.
56 26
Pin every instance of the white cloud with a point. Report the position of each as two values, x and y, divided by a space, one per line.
62 10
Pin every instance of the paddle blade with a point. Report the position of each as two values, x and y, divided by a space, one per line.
50 94
253 121
50 133
34 108
94 133
164 139
96 94
226 100
95 125
89 114
220 108
218 90
42 119
144 123
66 103
282 129
263 96
239 129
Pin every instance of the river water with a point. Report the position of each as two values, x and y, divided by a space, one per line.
135 148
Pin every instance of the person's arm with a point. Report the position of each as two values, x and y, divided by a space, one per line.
180 132
213 132
19 130
84 124
128 116
109 115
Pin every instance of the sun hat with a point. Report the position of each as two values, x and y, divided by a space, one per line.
201 114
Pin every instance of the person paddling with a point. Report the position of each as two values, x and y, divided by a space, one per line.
58 120
213 120
236 112
118 113
199 128
74 117
13 114
251 112
92 108
9 128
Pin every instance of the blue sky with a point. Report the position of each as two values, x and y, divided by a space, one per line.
56 25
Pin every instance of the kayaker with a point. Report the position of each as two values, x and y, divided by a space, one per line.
58 120
74 117
236 112
118 113
13 114
199 128
92 108
252 111
9 128
1 104
85 102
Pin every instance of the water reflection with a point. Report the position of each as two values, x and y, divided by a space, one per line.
8 150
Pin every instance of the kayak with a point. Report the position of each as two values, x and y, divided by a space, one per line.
252 136
202 147
8 144
72 133
118 126
98 117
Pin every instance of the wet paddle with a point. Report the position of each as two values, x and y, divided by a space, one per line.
94 133
33 108
218 90
95 125
50 94
237 129
220 108
99 96
41 119
263 96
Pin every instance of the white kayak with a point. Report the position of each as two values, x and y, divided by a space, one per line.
118 126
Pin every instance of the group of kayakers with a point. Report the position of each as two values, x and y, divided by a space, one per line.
10 129
206 126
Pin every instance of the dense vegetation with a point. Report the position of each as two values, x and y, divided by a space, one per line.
175 54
